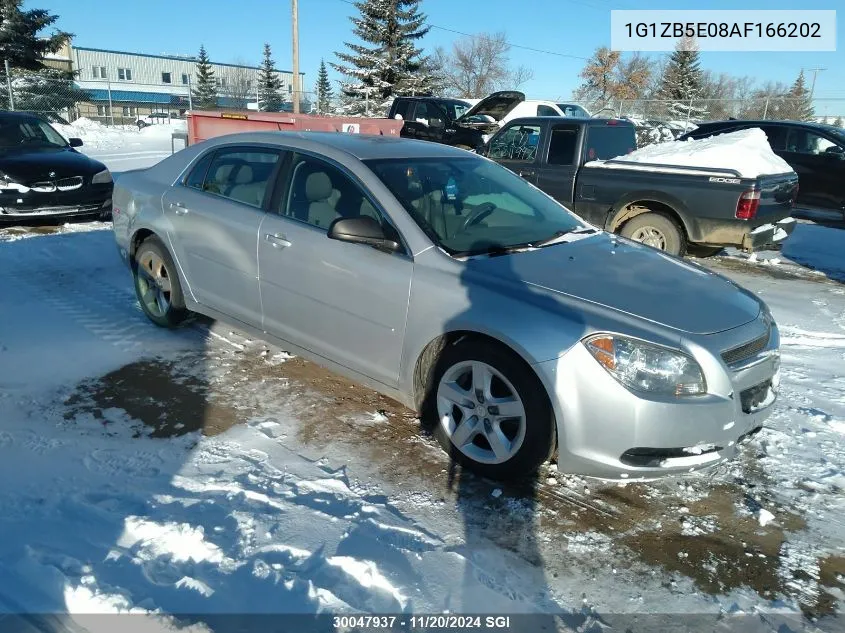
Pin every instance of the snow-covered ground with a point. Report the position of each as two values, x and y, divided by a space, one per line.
200 472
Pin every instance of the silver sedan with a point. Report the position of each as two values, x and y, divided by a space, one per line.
445 281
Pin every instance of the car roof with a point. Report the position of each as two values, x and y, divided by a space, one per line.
576 119
20 116
361 146
734 122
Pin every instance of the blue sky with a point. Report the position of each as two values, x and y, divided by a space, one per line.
236 30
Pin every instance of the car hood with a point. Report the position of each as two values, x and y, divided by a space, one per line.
27 165
630 278
496 105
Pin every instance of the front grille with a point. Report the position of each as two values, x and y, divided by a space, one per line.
745 351
63 184
753 397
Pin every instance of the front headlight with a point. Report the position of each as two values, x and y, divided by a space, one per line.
101 178
641 366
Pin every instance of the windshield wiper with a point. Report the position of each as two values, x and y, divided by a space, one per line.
558 236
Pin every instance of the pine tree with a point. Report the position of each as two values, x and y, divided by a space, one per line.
20 42
799 105
387 63
269 84
682 83
838 121
205 87
324 90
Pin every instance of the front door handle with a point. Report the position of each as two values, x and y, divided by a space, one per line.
526 174
277 240
179 208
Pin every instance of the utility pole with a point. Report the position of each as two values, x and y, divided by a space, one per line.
815 72
9 86
294 5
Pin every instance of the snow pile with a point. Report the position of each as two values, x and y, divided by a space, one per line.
96 135
746 151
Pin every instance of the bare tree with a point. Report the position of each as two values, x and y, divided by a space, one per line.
479 65
240 86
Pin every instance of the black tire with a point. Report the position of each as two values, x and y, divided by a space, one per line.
540 431
675 243
700 250
176 312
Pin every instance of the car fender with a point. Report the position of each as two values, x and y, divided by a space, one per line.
626 208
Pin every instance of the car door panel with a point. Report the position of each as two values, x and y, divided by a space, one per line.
215 238
558 169
517 148
345 302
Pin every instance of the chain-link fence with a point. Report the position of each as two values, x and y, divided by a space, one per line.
773 107
62 100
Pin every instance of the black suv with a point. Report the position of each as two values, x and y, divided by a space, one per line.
815 151
452 121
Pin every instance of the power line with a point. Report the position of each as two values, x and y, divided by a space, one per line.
519 46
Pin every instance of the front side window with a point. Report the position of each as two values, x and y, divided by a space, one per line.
471 205
166 78
242 175
802 141
320 193
518 142
429 113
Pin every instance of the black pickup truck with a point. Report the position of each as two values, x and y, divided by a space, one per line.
452 121
580 163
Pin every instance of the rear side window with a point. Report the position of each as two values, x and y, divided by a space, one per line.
197 175
544 110
609 141
777 136
242 175
562 145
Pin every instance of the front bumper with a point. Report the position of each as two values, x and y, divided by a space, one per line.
93 201
607 431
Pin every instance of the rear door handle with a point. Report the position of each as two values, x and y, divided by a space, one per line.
526 174
277 240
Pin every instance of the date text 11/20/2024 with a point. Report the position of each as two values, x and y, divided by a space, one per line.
424 622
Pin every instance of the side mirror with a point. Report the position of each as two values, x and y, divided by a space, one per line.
362 230
398 117
835 152
74 142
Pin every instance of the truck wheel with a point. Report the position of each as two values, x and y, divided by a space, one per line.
656 230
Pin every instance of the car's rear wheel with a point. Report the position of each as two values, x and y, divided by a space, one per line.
157 284
656 230
489 410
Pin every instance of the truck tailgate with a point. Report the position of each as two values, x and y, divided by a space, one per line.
777 197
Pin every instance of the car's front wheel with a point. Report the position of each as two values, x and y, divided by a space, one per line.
489 410
157 284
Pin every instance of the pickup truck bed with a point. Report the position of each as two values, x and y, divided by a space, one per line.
672 207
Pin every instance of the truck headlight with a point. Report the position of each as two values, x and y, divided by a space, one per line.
101 178
645 367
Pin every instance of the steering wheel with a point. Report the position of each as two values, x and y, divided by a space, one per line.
478 214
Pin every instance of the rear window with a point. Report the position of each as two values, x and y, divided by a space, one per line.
402 108
609 141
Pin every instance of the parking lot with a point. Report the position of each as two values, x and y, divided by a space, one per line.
180 458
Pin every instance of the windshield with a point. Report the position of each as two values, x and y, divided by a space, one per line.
456 109
472 205
569 109
28 133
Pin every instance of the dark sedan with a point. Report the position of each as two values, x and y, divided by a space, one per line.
43 178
